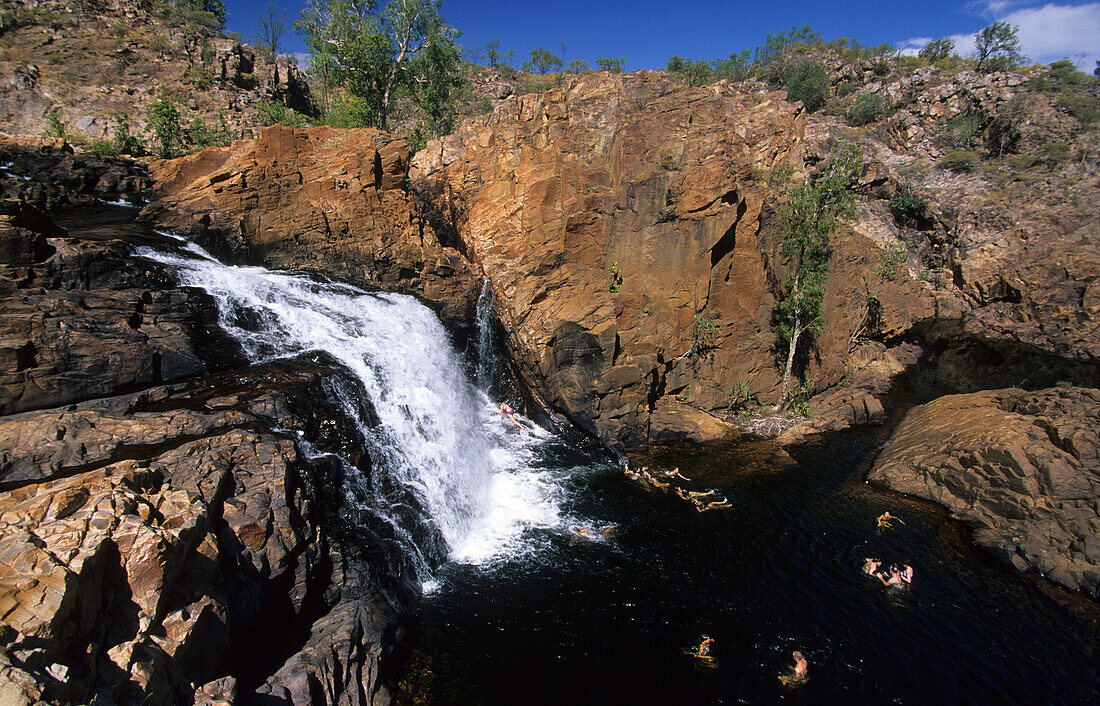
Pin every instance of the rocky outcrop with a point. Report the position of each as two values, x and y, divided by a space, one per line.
100 63
1021 468
145 555
49 173
172 543
321 200
81 321
629 229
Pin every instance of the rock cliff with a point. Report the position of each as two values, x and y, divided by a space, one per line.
1021 468
322 200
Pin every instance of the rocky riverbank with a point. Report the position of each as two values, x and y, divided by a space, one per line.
1021 468
168 542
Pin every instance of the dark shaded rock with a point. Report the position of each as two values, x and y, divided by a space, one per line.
1022 468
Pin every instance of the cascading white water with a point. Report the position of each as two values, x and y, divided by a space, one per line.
486 355
439 436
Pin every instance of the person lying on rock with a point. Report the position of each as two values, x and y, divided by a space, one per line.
506 409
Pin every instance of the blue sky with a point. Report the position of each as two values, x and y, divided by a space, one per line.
647 32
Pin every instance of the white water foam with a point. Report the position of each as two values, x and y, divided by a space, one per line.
439 436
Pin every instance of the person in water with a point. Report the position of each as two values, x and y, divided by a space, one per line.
703 650
884 520
894 578
906 573
712 505
675 473
799 673
581 531
870 566
506 409
701 493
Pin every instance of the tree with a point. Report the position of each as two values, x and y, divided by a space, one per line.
164 121
998 47
811 214
271 29
937 49
542 60
614 64
435 78
372 55
578 66
215 8
492 53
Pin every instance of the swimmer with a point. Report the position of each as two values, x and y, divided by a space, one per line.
884 520
703 650
581 531
906 573
724 502
701 494
894 578
870 566
506 409
608 531
682 494
675 473
799 673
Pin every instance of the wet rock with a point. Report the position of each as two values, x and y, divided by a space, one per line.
1022 468
80 320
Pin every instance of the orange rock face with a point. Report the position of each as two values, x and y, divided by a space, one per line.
616 217
318 199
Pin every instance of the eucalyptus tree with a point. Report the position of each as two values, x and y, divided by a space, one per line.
812 212
372 54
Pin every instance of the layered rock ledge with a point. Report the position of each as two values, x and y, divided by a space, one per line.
171 542
1021 468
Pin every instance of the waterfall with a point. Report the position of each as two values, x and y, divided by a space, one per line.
486 354
439 436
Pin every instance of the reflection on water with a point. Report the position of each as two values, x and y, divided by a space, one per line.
605 622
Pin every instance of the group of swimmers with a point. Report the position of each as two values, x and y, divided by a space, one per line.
696 498
896 576
799 672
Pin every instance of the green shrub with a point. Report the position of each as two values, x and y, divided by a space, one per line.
907 206
55 126
740 395
203 136
961 133
959 161
866 109
614 277
703 333
1053 153
845 88
121 142
1085 108
279 114
807 82
200 78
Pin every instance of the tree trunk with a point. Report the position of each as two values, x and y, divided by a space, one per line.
795 334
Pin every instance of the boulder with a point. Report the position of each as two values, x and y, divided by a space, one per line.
1021 468
672 421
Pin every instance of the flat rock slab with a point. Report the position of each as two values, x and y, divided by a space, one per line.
1022 468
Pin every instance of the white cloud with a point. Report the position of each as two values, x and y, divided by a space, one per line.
1047 33
300 57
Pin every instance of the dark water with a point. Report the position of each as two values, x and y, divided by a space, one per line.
605 623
